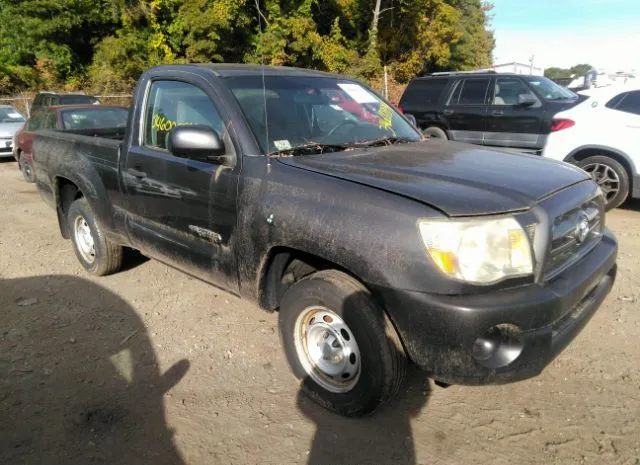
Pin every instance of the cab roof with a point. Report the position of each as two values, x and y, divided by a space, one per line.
237 69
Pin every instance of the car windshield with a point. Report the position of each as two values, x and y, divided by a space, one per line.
10 115
95 118
549 89
289 113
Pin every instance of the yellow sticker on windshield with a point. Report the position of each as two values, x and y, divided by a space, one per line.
385 116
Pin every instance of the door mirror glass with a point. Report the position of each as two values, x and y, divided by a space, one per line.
198 142
526 100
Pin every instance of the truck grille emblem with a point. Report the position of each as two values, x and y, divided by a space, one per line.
582 228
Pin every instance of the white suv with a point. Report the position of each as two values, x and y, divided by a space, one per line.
602 136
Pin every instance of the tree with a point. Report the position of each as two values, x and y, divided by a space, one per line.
475 47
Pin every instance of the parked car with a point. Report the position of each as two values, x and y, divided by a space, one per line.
378 248
52 99
602 136
80 118
10 121
485 108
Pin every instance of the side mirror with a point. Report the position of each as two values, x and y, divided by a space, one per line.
198 142
526 100
412 119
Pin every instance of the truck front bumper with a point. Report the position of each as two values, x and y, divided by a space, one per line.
503 336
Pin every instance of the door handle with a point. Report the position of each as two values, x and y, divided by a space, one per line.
497 113
447 112
137 174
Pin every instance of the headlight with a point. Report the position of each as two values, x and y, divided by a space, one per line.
478 251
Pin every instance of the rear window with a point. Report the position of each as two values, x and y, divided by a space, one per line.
98 118
76 99
424 91
10 115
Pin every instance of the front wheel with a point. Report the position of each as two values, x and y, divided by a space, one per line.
97 254
611 176
340 343
434 132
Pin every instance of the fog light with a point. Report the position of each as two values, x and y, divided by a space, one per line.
499 346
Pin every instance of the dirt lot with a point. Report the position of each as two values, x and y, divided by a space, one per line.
149 366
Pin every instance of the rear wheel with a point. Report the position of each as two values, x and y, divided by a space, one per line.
434 132
340 343
611 176
97 254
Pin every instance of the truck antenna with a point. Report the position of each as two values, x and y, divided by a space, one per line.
264 85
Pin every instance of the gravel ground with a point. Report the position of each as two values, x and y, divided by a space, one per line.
151 366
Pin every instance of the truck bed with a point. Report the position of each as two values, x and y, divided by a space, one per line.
85 157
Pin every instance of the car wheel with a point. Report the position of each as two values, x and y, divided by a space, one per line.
611 176
96 253
434 132
26 170
340 343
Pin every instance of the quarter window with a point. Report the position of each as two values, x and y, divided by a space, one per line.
174 103
628 102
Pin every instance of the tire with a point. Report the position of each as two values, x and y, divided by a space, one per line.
104 257
381 362
434 132
611 176
26 170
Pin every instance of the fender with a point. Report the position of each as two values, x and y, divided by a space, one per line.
77 169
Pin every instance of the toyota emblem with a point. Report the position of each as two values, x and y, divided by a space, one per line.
582 229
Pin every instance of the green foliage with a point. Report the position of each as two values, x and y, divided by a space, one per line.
107 44
562 73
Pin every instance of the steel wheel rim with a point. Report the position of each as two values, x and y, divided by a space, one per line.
84 239
327 349
605 177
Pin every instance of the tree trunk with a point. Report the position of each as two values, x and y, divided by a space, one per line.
373 32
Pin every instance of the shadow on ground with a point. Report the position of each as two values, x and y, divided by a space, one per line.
382 438
79 380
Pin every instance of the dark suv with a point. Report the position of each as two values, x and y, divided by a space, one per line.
486 108
52 99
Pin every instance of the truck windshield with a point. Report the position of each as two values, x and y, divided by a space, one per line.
290 112
549 89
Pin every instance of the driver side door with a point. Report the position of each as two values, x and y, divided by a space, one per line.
182 211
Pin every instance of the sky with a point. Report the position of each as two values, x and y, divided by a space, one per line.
563 33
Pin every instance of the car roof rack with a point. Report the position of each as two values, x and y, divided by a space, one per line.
454 73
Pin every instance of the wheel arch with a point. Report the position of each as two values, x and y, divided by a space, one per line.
625 160
284 266
65 192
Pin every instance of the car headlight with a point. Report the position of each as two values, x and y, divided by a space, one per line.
478 251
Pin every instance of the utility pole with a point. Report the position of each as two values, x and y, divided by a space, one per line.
531 60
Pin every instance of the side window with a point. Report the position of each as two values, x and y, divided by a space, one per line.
507 91
175 103
35 122
50 120
630 103
471 92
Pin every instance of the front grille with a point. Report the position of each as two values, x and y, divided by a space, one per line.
574 234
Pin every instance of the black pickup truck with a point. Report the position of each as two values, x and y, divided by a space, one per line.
307 193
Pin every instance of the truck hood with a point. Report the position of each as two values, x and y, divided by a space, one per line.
457 179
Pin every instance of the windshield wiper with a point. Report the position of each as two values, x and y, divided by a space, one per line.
312 148
382 141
